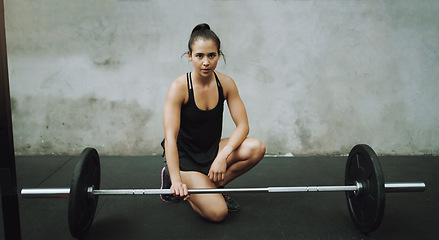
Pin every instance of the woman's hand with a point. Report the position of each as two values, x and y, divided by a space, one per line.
217 172
179 189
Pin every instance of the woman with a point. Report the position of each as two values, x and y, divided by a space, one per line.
195 154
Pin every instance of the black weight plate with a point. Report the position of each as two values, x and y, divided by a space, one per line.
366 208
82 208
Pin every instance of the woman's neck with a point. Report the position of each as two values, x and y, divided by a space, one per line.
204 81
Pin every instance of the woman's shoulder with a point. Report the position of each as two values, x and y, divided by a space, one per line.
179 83
225 80
178 88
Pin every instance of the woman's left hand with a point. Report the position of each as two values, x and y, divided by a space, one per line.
218 169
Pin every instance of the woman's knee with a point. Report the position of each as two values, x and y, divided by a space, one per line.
216 214
211 207
257 149
261 148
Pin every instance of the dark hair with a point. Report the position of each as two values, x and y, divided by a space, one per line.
202 31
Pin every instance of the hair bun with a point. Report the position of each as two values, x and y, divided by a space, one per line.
200 27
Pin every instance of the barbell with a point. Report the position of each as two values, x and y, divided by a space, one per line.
364 187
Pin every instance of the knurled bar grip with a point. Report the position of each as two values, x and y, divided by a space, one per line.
64 192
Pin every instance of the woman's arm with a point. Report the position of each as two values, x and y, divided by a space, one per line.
171 121
239 116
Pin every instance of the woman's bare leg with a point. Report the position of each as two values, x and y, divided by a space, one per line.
213 206
244 158
209 206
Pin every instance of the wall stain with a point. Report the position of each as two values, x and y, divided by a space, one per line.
304 134
66 125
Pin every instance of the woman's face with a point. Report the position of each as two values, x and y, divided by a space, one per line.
204 56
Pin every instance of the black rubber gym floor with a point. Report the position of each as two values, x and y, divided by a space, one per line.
263 215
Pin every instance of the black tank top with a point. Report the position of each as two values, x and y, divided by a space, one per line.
200 132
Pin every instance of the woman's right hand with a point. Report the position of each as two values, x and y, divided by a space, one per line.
179 189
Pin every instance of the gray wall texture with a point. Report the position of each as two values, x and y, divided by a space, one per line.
316 77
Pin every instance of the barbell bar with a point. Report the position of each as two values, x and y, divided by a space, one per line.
65 192
364 188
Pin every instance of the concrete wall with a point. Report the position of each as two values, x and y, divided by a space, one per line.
317 77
